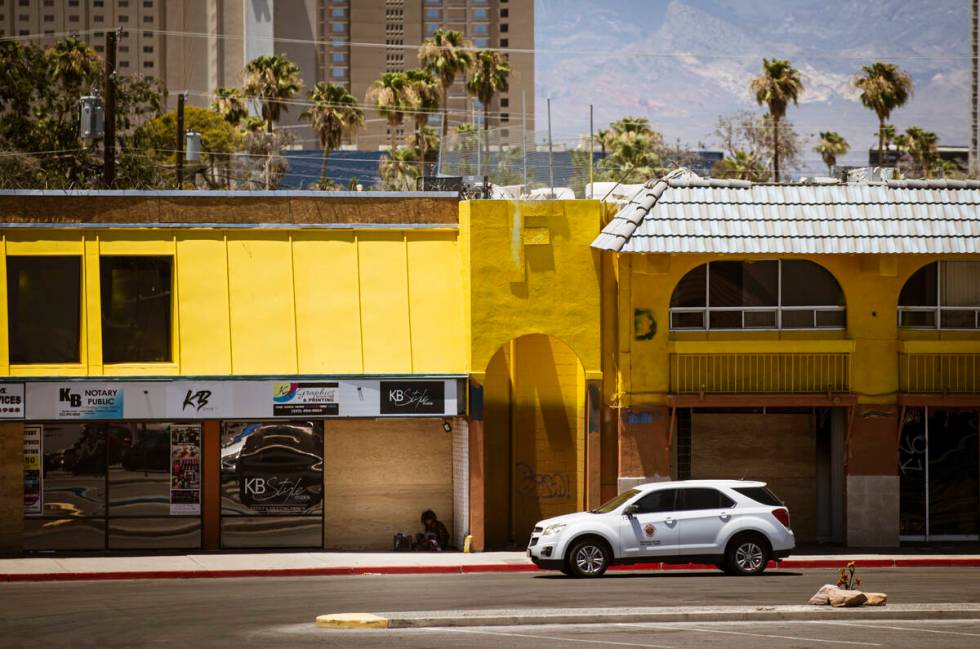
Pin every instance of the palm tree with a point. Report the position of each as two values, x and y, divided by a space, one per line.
446 55
230 104
778 85
333 114
742 166
399 171
426 139
389 96
423 98
884 87
488 76
272 80
921 145
72 62
832 144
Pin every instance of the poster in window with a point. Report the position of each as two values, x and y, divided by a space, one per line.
185 470
33 470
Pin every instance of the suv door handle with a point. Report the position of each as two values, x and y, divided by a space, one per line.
725 516
669 522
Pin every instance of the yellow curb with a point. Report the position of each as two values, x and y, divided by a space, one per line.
352 621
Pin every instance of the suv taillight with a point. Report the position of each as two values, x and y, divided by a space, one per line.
781 514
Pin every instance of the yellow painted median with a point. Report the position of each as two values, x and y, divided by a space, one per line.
352 621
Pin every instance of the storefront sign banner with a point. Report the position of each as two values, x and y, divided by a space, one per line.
413 397
90 401
199 400
305 399
33 470
11 400
185 470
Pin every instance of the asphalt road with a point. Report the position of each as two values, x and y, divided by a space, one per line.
273 612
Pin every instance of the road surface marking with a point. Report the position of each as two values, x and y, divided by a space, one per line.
897 628
766 635
548 637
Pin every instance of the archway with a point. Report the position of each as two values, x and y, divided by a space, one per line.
534 409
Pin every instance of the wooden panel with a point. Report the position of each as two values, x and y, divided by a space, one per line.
380 475
779 449
211 484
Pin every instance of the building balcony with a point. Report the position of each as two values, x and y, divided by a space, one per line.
725 369
929 371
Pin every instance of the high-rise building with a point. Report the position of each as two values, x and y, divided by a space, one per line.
196 46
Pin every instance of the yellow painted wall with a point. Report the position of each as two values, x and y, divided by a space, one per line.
534 409
871 285
277 301
531 270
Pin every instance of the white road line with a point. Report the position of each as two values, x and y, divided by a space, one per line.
766 635
896 628
547 637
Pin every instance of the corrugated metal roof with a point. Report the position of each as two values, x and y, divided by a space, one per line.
684 213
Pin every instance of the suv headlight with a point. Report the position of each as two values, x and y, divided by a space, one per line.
553 529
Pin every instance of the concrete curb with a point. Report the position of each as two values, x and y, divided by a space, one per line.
891 562
537 617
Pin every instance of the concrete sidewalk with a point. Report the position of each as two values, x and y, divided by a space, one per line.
287 564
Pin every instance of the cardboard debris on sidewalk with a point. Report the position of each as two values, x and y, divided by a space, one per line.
830 595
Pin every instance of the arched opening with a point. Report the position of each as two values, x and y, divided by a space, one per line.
941 295
534 409
758 295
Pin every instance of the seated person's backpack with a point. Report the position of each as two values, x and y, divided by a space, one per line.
402 543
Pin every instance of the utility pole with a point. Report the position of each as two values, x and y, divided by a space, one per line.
974 52
180 140
551 160
524 137
591 146
109 143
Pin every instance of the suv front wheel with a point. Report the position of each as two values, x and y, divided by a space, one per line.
747 554
588 558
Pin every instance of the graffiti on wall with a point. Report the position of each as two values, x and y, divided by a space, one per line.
547 486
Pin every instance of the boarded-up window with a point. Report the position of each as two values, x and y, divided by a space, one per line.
44 309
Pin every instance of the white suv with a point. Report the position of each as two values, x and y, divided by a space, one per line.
735 524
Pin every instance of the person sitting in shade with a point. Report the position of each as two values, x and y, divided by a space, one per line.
434 536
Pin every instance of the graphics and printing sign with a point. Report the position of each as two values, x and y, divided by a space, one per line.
305 399
90 401
12 401
413 397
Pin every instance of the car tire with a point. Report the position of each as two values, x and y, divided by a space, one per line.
747 554
588 558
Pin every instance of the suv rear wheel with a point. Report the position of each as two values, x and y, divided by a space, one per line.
588 558
746 554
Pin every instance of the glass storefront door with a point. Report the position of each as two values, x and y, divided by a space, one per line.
271 484
939 475
117 486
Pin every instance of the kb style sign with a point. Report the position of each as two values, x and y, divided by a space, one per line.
413 398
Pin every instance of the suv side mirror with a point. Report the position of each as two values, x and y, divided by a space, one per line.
631 511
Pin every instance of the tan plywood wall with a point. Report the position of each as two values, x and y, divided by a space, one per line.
779 449
380 475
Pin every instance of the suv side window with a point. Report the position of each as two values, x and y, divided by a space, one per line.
701 498
657 502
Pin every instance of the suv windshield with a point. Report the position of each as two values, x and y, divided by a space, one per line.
760 495
615 502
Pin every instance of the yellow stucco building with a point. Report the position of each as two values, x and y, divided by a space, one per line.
216 370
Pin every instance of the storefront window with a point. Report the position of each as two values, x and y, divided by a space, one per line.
44 309
272 484
939 475
136 309
115 485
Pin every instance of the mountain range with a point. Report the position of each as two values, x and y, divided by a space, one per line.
685 63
